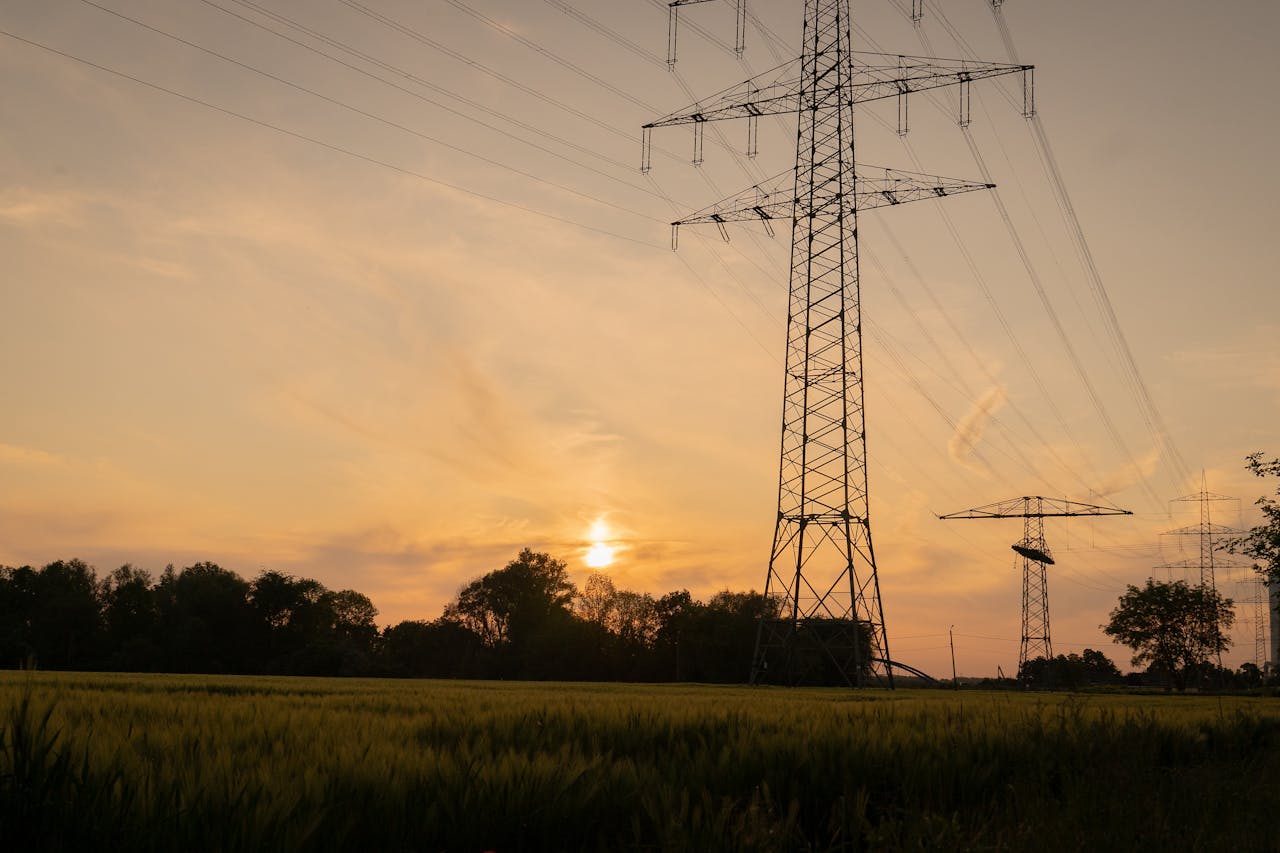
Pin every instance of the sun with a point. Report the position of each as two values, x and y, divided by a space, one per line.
600 554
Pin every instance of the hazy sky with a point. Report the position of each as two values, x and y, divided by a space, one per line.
386 332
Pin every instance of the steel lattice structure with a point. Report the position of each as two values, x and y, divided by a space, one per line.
1206 532
829 625
1259 623
1034 555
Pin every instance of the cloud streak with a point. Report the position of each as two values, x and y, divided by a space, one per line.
970 429
1130 474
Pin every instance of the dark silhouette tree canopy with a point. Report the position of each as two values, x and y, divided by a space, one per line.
1071 671
524 620
1173 627
507 605
1262 543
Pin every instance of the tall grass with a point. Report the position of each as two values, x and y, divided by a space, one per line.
166 762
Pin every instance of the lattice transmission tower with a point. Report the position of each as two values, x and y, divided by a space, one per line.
1260 601
1273 608
1034 555
1209 537
829 625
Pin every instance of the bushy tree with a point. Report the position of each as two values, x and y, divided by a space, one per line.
17 604
206 619
66 616
1071 671
1173 627
507 605
439 649
1262 543
131 620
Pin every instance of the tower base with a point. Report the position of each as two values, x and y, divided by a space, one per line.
814 652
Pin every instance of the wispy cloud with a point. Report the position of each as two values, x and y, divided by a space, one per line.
13 454
1131 474
27 207
972 426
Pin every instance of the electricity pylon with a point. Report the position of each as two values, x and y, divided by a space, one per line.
1206 532
1034 555
829 624
1273 605
1259 622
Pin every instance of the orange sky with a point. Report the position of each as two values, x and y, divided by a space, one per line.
350 334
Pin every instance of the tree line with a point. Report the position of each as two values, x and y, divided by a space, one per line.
526 620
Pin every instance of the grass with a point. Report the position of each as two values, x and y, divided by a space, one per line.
244 763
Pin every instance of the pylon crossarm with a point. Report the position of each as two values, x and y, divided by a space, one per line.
778 90
1187 565
874 187
1201 529
895 186
1205 496
1035 507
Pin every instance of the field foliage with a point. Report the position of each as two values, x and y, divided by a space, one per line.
162 762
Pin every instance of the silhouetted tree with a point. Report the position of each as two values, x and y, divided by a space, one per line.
206 619
439 649
597 599
1262 543
1174 627
1249 675
1069 672
673 611
525 620
66 619
351 632
628 624
507 605
718 638
131 620
17 603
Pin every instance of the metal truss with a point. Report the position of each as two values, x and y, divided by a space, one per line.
1034 555
829 621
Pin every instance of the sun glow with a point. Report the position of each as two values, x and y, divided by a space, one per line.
600 554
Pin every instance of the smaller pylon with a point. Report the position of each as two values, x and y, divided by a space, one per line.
1209 536
1034 555
1259 623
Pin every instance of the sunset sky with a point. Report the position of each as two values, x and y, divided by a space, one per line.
386 320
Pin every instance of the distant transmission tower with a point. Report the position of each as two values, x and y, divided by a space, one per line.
1207 534
1260 623
1034 555
1274 619
822 568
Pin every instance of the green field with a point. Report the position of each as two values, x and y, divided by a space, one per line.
245 763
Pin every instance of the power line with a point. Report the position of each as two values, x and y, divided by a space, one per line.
1130 370
423 39
549 54
366 114
420 81
328 145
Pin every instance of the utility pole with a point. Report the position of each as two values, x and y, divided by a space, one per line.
822 577
951 637
1034 555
